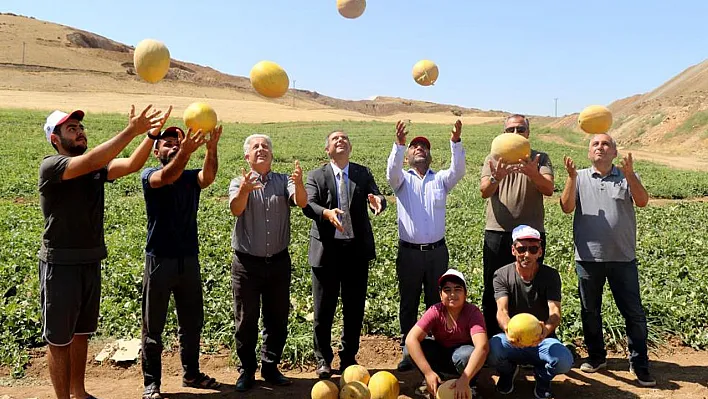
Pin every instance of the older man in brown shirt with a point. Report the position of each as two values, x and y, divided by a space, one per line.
514 197
261 267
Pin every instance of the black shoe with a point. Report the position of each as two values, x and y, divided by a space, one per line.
593 365
245 381
324 371
643 377
273 376
542 390
406 364
505 383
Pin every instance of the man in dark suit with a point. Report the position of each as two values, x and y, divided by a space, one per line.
341 246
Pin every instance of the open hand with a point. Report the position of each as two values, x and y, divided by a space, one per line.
627 165
570 167
250 181
528 166
214 137
146 120
456 131
331 215
296 176
191 141
401 133
375 203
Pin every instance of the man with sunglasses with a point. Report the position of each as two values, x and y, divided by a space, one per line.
514 196
171 253
421 195
528 286
605 236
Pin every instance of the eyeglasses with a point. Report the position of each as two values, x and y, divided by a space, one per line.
516 129
533 250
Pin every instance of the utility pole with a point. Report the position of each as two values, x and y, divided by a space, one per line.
23 52
556 101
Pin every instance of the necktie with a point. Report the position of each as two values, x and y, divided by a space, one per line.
346 217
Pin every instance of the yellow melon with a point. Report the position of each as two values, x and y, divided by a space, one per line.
445 390
200 116
269 79
524 329
351 8
354 372
425 72
510 147
355 390
324 389
595 119
152 60
383 385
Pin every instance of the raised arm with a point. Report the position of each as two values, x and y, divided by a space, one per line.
173 170
299 198
457 168
543 181
636 188
568 197
394 166
105 152
124 166
239 191
207 175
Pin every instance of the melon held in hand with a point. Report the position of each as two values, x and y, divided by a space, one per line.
524 329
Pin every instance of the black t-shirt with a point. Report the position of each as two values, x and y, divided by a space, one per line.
73 213
172 215
531 297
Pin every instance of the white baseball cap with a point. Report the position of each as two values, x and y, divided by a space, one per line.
57 118
524 232
452 274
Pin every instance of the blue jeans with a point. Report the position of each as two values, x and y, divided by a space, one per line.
447 360
548 359
623 278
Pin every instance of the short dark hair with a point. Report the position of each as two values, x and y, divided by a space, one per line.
57 131
518 116
333 132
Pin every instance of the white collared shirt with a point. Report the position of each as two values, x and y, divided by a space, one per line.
421 201
337 234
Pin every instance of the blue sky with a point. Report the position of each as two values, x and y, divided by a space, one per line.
504 55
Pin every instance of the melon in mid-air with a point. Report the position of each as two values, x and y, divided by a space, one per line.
354 372
200 116
351 8
445 390
355 390
524 329
152 60
384 385
425 72
510 147
324 389
595 119
269 79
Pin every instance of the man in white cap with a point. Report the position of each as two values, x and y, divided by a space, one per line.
603 197
71 195
421 196
527 286
460 344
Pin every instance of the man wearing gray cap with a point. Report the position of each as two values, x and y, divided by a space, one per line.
71 195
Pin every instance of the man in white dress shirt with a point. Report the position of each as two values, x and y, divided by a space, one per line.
421 194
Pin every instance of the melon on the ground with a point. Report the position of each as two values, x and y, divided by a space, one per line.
425 72
383 385
445 390
355 372
510 147
524 329
595 119
269 79
351 8
200 116
324 389
151 60
355 390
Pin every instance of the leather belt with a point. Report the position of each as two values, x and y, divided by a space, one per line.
422 247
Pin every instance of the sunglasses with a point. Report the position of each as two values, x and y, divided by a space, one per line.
515 129
533 250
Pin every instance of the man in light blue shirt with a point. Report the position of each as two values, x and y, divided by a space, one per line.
421 194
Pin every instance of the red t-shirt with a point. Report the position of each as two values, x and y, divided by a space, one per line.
469 322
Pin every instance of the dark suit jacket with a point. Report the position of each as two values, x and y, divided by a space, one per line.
322 194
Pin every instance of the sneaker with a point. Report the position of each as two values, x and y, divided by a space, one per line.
592 366
643 377
542 390
505 384
406 364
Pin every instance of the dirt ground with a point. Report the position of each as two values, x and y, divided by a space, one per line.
680 373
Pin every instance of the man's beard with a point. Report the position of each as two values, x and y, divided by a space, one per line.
414 161
73 149
165 160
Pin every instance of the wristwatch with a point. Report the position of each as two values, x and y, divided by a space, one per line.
493 180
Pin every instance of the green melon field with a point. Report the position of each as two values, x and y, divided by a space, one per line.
672 242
